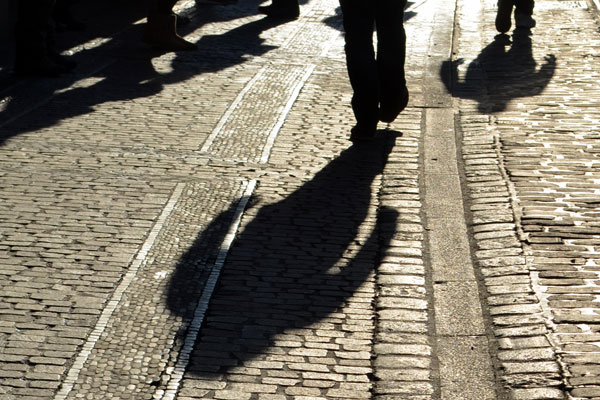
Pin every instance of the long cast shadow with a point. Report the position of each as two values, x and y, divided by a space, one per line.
133 76
296 263
498 75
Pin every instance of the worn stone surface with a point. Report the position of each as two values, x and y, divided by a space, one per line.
197 225
529 169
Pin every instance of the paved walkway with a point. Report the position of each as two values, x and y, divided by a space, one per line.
198 225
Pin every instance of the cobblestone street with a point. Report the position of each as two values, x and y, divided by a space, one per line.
197 225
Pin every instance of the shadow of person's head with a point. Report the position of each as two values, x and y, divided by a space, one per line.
504 70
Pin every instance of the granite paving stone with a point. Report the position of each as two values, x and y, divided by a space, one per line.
196 225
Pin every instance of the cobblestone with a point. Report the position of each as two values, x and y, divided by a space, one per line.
198 226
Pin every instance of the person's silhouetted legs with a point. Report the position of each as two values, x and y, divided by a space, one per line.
391 53
378 81
34 41
523 14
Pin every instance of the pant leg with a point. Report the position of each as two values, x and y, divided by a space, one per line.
359 20
524 6
391 48
163 6
33 33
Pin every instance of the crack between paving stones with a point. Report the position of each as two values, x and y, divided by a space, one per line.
528 257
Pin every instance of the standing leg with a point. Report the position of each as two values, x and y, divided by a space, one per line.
359 22
34 39
504 15
391 53
523 14
161 28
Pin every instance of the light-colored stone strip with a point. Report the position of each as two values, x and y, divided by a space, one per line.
334 36
271 85
116 297
461 344
234 105
466 370
284 113
176 375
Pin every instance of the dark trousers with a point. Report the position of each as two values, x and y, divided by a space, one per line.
374 78
524 6
164 7
34 33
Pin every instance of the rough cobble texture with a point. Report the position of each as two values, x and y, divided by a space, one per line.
293 315
530 171
127 185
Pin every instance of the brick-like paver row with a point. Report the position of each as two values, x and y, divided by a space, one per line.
294 314
528 125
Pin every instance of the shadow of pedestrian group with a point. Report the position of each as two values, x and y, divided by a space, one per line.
123 68
503 71
293 267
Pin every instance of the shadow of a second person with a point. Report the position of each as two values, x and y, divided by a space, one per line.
133 75
293 268
497 75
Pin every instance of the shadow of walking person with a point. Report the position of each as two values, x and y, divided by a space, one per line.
134 76
498 75
292 270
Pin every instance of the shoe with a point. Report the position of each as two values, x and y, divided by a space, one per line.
503 16
389 111
160 33
280 12
360 134
523 20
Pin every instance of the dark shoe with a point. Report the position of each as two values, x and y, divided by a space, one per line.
523 20
390 110
280 12
504 15
362 134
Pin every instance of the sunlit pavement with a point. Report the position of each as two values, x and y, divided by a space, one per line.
197 224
